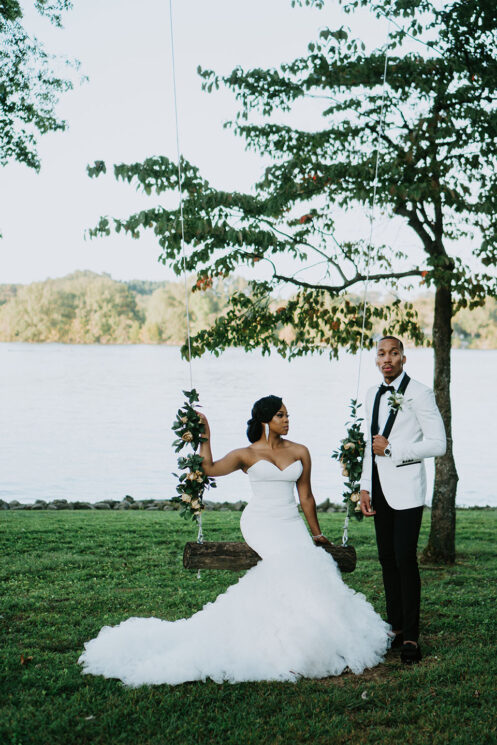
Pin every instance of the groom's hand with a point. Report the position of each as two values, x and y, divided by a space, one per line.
379 444
365 503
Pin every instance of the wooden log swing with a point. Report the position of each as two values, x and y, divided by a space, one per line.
231 555
238 556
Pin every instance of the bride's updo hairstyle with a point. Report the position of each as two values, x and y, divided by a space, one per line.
262 411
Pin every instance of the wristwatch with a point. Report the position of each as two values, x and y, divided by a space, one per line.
388 451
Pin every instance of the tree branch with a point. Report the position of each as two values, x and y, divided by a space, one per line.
309 245
335 290
426 218
418 227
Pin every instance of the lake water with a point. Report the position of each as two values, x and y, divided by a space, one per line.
94 422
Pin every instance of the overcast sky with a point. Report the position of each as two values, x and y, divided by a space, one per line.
125 113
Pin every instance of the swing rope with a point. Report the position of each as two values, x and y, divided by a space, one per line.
180 188
200 535
379 134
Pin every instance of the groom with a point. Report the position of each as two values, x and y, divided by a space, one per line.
404 426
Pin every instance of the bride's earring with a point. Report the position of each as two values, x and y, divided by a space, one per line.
266 431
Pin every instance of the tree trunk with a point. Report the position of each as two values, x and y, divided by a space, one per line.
441 547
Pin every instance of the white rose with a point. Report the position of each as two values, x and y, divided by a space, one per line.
355 497
186 498
357 508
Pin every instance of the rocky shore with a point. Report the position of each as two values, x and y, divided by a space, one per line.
129 503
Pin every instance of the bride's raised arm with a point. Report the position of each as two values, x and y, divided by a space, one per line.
306 497
232 461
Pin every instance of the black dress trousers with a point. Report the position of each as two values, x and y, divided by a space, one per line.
397 533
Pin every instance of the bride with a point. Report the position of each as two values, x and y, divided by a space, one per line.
288 617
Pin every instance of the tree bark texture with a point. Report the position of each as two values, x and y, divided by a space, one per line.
441 546
239 556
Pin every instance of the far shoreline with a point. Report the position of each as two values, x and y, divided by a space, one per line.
165 505
148 344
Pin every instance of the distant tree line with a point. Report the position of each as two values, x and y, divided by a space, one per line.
89 308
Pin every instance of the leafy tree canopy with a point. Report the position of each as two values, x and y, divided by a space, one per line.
30 87
437 172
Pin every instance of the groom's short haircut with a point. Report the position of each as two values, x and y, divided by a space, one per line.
401 346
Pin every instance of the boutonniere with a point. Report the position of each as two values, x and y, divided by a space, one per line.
396 401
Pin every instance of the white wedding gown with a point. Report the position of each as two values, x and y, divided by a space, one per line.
288 617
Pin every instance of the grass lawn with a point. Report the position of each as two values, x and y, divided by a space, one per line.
66 574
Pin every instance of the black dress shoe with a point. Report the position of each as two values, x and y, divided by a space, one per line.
410 653
397 641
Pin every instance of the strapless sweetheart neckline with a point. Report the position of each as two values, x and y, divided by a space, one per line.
265 460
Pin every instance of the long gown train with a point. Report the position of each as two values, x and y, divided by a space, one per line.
288 617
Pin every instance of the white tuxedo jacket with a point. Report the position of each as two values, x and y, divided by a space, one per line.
418 433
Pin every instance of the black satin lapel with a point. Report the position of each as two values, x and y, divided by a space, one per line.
390 422
374 417
393 412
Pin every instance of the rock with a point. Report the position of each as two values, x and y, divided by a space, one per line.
122 506
4 505
52 507
83 506
152 507
102 506
14 503
19 506
40 504
62 504
239 506
137 506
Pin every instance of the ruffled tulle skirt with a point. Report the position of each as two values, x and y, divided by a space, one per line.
288 617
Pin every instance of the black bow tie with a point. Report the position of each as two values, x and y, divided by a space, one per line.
384 388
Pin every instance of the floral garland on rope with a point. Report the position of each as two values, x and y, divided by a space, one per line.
189 428
350 455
